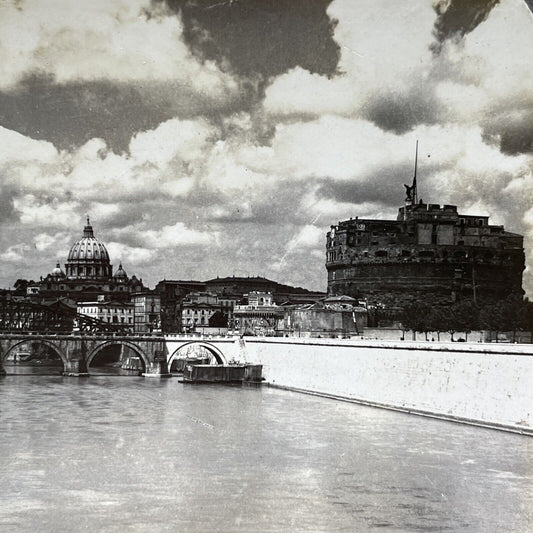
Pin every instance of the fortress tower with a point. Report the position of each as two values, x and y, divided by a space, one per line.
429 253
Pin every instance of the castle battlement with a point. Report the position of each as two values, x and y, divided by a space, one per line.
429 251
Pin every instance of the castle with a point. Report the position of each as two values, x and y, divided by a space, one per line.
430 253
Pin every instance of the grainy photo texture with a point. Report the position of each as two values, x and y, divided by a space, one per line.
315 217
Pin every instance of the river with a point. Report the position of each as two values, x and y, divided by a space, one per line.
130 454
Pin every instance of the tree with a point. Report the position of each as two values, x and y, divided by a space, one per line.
464 317
21 285
526 318
414 317
504 315
437 320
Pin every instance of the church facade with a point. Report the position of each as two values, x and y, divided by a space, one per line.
88 274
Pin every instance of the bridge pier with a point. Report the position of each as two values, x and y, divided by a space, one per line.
76 359
2 369
76 368
158 368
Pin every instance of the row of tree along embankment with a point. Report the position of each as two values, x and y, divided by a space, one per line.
511 315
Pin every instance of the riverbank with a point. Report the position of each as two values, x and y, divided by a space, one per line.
487 385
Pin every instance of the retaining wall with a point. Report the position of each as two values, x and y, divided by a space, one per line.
485 384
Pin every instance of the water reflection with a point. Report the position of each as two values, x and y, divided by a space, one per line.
108 454
43 369
33 357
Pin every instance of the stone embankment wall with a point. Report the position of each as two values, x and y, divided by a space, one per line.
484 384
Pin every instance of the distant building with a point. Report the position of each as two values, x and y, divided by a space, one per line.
230 292
197 309
241 285
88 274
227 303
32 289
259 316
172 293
147 311
429 253
335 316
113 312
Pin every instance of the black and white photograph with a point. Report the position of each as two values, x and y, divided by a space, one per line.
266 266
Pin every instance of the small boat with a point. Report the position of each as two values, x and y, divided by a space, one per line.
235 373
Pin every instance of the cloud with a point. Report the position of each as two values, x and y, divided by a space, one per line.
161 163
15 253
129 255
184 139
22 149
377 61
497 97
252 187
55 213
107 69
259 39
121 40
389 75
176 235
71 113
300 92
308 236
45 241
457 18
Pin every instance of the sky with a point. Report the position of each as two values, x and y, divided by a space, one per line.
212 137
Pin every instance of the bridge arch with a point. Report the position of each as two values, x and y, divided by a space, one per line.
116 342
213 350
45 342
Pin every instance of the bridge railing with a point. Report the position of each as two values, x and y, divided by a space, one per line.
117 334
80 334
178 336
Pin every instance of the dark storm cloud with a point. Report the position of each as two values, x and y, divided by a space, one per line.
512 131
253 39
456 18
123 218
400 113
70 114
7 207
517 138
384 186
261 37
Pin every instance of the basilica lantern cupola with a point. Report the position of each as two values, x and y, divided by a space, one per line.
57 273
120 275
88 258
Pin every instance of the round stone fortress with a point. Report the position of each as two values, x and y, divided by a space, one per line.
89 274
430 253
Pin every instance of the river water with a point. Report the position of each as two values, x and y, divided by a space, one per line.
129 454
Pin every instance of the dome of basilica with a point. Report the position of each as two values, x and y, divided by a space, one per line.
57 272
120 275
88 258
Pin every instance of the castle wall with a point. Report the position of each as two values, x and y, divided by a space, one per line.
398 283
429 250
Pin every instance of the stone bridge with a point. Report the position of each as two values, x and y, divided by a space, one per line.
156 352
